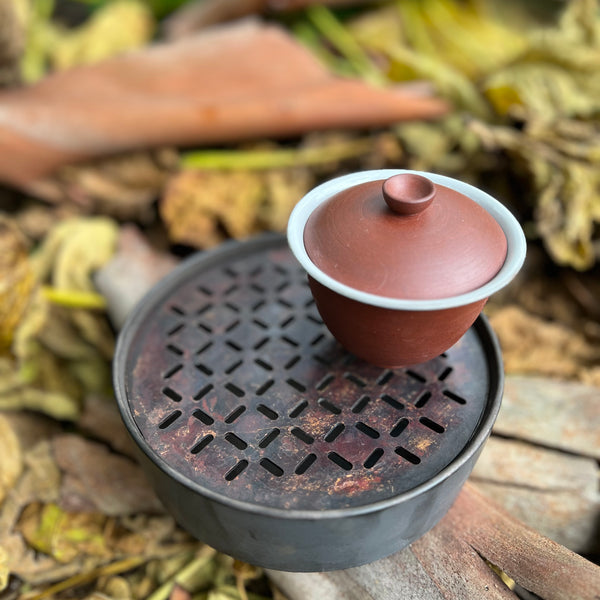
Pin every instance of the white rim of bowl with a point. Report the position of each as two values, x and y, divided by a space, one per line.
512 230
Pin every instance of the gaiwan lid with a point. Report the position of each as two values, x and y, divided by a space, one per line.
405 237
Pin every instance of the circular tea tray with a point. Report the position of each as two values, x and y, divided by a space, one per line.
269 441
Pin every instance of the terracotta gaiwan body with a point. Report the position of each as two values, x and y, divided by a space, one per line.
401 263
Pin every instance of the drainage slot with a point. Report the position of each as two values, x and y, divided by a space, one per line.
416 376
172 371
392 402
203 391
236 471
269 438
206 370
302 435
385 377
236 441
234 346
423 400
296 385
233 307
305 464
399 427
287 321
298 409
270 466
361 404
204 348
232 325
260 323
264 364
231 368
268 412
174 349
176 329
455 397
172 394
258 305
261 343
290 363
203 417
334 432
354 379
364 428
170 419
317 339
235 390
205 441
204 309
332 408
264 387
205 327
340 461
325 382
432 425
235 414
373 458
444 374
409 456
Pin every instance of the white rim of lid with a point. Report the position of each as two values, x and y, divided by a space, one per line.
515 239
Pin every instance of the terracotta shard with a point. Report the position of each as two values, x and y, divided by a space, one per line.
230 83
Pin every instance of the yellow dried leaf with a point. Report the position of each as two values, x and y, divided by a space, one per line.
118 26
11 463
66 535
4 570
202 208
16 280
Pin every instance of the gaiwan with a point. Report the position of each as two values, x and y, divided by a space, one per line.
401 263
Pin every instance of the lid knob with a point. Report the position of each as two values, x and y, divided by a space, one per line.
408 193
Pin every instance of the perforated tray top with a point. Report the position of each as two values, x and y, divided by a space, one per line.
233 381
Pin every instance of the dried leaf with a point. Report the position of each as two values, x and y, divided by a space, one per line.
116 27
16 280
96 479
195 91
39 482
62 535
12 41
59 353
18 392
11 464
201 208
4 570
532 345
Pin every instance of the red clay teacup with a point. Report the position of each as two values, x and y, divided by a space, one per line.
401 263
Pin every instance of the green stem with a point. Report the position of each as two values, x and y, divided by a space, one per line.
114 568
274 159
326 22
74 298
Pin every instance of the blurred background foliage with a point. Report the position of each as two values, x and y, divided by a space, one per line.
523 83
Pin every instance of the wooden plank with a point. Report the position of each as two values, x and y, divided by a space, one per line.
536 563
553 492
449 562
398 576
561 414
